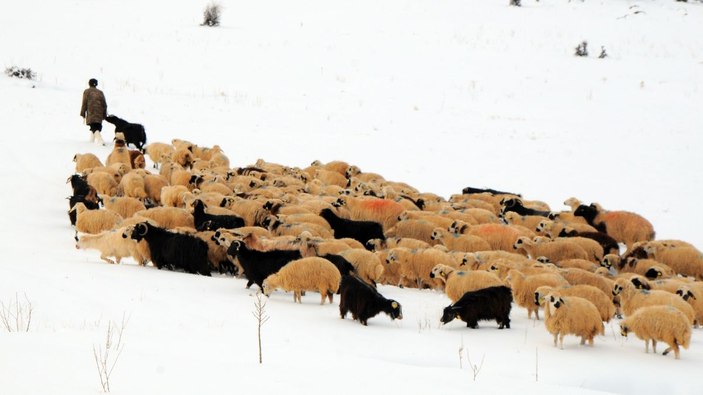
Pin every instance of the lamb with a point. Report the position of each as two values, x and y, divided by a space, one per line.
483 304
456 242
172 250
367 265
555 251
215 221
524 288
86 161
305 274
659 323
603 303
459 282
132 133
362 231
94 221
632 299
364 301
124 206
571 315
258 265
624 226
110 243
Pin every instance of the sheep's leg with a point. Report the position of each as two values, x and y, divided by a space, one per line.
646 346
323 296
537 313
561 340
654 346
330 296
583 340
106 259
556 335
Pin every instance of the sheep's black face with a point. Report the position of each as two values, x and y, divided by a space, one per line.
653 274
396 310
617 289
587 212
537 298
639 284
449 314
624 330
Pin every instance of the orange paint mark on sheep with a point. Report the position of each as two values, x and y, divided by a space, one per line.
379 204
614 215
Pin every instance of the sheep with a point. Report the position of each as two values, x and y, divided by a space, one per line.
110 243
459 282
571 315
362 231
528 221
159 152
367 265
577 263
649 268
215 221
258 265
104 183
132 185
603 302
136 159
392 242
124 206
168 217
153 185
555 251
183 157
86 161
415 266
457 242
687 261
364 301
173 250
659 323
94 221
594 251
499 237
119 154
693 294
483 304
524 288
518 206
632 299
624 226
173 196
413 228
305 274
383 211
553 228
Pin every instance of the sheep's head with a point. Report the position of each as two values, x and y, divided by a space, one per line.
624 329
543 259
556 302
640 284
587 212
521 242
140 230
391 257
341 201
437 234
609 260
685 293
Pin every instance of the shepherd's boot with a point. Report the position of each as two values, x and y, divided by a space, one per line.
98 138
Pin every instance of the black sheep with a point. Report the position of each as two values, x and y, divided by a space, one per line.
362 231
205 221
134 133
516 205
344 266
173 250
364 301
80 186
483 304
609 244
258 265
589 213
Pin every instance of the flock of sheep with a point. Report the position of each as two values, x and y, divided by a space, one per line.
333 229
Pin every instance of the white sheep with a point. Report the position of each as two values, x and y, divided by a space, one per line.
86 161
122 205
555 251
687 261
305 274
94 221
603 302
524 288
111 243
659 323
415 266
366 264
632 299
571 315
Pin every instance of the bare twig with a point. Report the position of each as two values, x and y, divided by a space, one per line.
16 316
475 368
104 359
261 318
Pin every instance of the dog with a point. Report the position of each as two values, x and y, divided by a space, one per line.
134 133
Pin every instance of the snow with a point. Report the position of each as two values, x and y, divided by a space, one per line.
440 95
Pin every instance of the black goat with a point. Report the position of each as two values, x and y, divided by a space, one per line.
362 231
205 221
344 266
364 301
516 205
173 250
258 265
470 190
80 186
134 133
483 304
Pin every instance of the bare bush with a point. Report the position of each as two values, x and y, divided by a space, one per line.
107 354
582 49
211 15
16 316
261 318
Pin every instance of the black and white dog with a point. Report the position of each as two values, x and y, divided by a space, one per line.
133 132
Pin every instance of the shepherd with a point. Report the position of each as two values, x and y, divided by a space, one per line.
94 110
